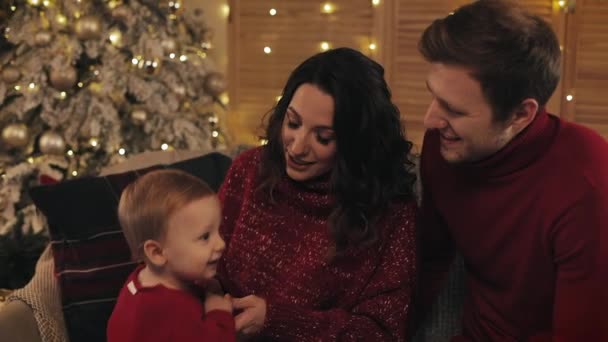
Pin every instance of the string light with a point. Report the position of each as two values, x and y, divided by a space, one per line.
225 10
267 50
46 3
263 141
372 46
93 142
134 61
215 134
34 2
122 151
327 8
74 173
63 94
375 2
61 19
569 97
561 3
183 58
272 12
164 147
325 46
70 153
30 160
80 84
17 87
116 37
13 8
172 55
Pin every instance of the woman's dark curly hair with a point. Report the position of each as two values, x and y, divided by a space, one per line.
372 166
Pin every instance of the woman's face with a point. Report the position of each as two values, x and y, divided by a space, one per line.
308 137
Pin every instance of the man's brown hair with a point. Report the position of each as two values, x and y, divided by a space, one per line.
513 54
147 204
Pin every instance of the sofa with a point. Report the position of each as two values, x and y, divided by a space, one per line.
35 313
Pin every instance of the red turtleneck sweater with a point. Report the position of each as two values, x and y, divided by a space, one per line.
278 252
531 222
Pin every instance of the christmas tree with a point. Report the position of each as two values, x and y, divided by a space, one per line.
85 84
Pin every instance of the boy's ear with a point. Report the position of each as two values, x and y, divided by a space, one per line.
154 252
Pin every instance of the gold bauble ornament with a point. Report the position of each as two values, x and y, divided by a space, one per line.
88 28
51 143
43 38
63 79
169 45
215 83
16 135
121 13
11 74
139 116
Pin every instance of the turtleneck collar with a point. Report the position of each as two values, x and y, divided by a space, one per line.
528 146
313 197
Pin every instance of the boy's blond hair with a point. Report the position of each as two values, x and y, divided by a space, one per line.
147 204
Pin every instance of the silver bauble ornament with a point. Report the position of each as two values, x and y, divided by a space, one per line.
169 45
51 143
11 74
16 135
88 28
139 117
64 78
215 83
43 38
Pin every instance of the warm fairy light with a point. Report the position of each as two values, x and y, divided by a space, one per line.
267 50
96 72
134 61
80 84
215 134
34 2
30 160
122 151
13 8
74 173
375 2
172 55
263 141
32 86
562 3
273 12
328 8
224 98
183 58
225 10
61 19
372 46
46 3
70 153
115 37
569 97
17 87
93 142
324 46
278 98
63 94
164 147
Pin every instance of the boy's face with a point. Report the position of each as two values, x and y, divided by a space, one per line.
463 117
193 245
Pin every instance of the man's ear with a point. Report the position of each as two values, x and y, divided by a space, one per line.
524 114
153 251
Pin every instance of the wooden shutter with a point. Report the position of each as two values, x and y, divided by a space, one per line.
295 33
587 65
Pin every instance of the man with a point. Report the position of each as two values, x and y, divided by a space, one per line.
521 194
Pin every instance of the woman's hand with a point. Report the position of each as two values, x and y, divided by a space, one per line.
251 320
215 302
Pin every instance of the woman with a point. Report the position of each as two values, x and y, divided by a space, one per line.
319 223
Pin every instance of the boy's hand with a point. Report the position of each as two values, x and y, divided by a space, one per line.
215 302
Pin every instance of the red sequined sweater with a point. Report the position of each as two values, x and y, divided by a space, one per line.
278 252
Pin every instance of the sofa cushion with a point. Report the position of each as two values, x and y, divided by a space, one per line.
92 259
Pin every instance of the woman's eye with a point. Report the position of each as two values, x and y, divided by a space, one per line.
292 125
205 236
323 140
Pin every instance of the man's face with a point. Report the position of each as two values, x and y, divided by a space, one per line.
463 117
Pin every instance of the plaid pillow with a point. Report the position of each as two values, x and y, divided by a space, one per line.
92 259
